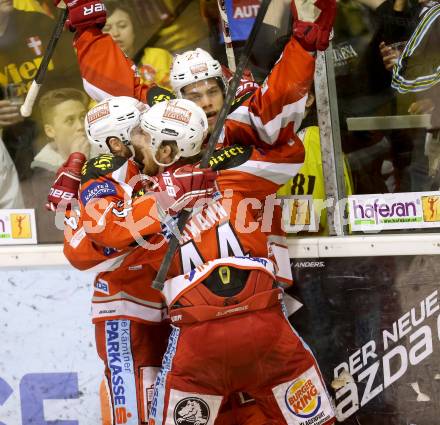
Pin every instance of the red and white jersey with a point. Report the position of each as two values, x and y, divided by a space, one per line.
126 293
107 193
106 71
272 114
266 119
199 304
113 208
244 222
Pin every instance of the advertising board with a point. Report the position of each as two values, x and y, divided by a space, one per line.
49 370
374 326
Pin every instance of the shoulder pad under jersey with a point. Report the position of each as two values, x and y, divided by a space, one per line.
230 157
101 165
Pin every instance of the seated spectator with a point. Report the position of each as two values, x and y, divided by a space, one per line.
62 117
23 37
10 192
62 114
154 64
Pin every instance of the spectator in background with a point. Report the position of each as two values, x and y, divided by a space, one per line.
186 29
155 63
241 17
23 37
418 71
62 113
62 117
29 6
272 35
10 192
364 89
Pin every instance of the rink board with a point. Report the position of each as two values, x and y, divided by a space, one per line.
49 371
375 317
376 320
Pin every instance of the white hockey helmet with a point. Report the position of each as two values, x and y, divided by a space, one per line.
178 120
113 117
192 66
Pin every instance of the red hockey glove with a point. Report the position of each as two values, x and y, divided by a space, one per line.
313 33
85 13
183 187
247 82
66 184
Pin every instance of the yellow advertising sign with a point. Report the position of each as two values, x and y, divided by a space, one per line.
21 226
431 208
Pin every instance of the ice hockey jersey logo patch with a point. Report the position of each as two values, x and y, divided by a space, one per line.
100 166
190 411
158 94
230 157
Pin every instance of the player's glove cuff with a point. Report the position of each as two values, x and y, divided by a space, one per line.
83 15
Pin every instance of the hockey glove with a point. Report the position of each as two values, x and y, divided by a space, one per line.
183 187
66 184
85 14
247 82
313 22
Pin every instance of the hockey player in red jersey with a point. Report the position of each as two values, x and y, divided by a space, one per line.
211 299
251 125
265 117
127 313
228 230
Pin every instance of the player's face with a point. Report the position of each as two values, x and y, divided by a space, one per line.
120 27
208 95
142 150
66 128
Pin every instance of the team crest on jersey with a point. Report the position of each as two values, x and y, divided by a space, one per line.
158 94
100 166
230 157
191 411
103 162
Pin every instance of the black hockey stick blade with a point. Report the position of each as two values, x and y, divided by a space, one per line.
158 282
31 96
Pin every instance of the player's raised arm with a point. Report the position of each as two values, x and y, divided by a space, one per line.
105 69
274 112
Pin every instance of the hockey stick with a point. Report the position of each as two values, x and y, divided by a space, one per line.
227 38
31 97
173 244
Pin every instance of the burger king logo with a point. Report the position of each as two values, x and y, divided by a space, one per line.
302 398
